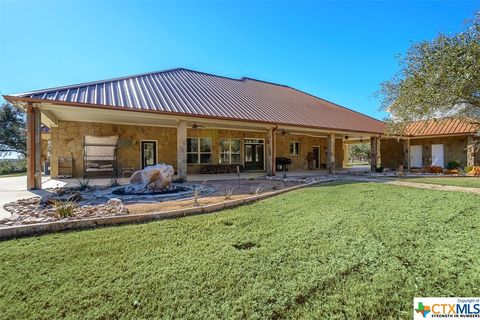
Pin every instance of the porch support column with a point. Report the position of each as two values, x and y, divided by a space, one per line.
331 153
471 144
270 161
406 154
34 148
182 149
373 153
346 154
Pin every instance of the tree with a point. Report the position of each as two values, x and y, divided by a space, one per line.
359 152
13 136
438 78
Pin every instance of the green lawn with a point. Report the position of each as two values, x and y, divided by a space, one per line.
349 251
472 182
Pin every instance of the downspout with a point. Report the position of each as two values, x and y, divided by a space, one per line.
274 151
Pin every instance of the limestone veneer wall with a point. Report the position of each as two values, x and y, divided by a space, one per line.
299 162
67 141
454 148
391 153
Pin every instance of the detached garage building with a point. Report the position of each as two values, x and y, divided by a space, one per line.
433 143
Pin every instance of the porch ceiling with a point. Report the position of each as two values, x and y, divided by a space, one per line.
52 113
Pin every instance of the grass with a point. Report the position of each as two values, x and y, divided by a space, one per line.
18 174
471 182
346 251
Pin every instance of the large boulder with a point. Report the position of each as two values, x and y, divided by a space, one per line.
153 178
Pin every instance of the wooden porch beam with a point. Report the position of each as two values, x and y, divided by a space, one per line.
34 148
373 154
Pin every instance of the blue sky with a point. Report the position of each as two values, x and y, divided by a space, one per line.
339 51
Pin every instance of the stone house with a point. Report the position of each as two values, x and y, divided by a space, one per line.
195 121
433 143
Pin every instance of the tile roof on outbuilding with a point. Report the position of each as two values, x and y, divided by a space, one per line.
193 93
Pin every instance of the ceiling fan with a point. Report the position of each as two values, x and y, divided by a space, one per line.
196 126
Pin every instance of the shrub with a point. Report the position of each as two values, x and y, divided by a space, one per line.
8 166
453 171
197 191
256 190
83 184
379 169
475 172
467 169
453 165
64 208
114 182
228 193
433 169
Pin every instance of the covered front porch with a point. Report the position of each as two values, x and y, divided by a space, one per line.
194 146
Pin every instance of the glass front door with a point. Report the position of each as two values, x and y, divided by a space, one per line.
149 153
254 155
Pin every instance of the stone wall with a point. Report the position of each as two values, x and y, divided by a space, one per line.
455 149
299 162
67 141
391 153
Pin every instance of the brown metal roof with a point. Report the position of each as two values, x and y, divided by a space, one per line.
442 127
196 93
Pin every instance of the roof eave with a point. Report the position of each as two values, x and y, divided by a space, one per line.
15 99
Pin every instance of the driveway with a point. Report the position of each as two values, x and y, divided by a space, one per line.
14 188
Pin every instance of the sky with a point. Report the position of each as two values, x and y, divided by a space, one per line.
340 51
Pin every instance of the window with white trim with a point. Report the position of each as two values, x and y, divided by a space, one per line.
199 150
294 148
230 151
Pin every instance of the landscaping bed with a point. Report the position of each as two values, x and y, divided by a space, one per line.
87 202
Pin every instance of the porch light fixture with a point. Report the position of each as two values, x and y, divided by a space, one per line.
361 140
346 137
283 132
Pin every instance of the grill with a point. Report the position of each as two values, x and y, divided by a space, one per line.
282 163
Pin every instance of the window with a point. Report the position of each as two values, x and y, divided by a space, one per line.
229 150
294 148
199 150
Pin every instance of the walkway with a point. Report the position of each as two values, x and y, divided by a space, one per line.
14 188
433 186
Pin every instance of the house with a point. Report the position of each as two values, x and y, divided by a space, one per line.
433 143
195 121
